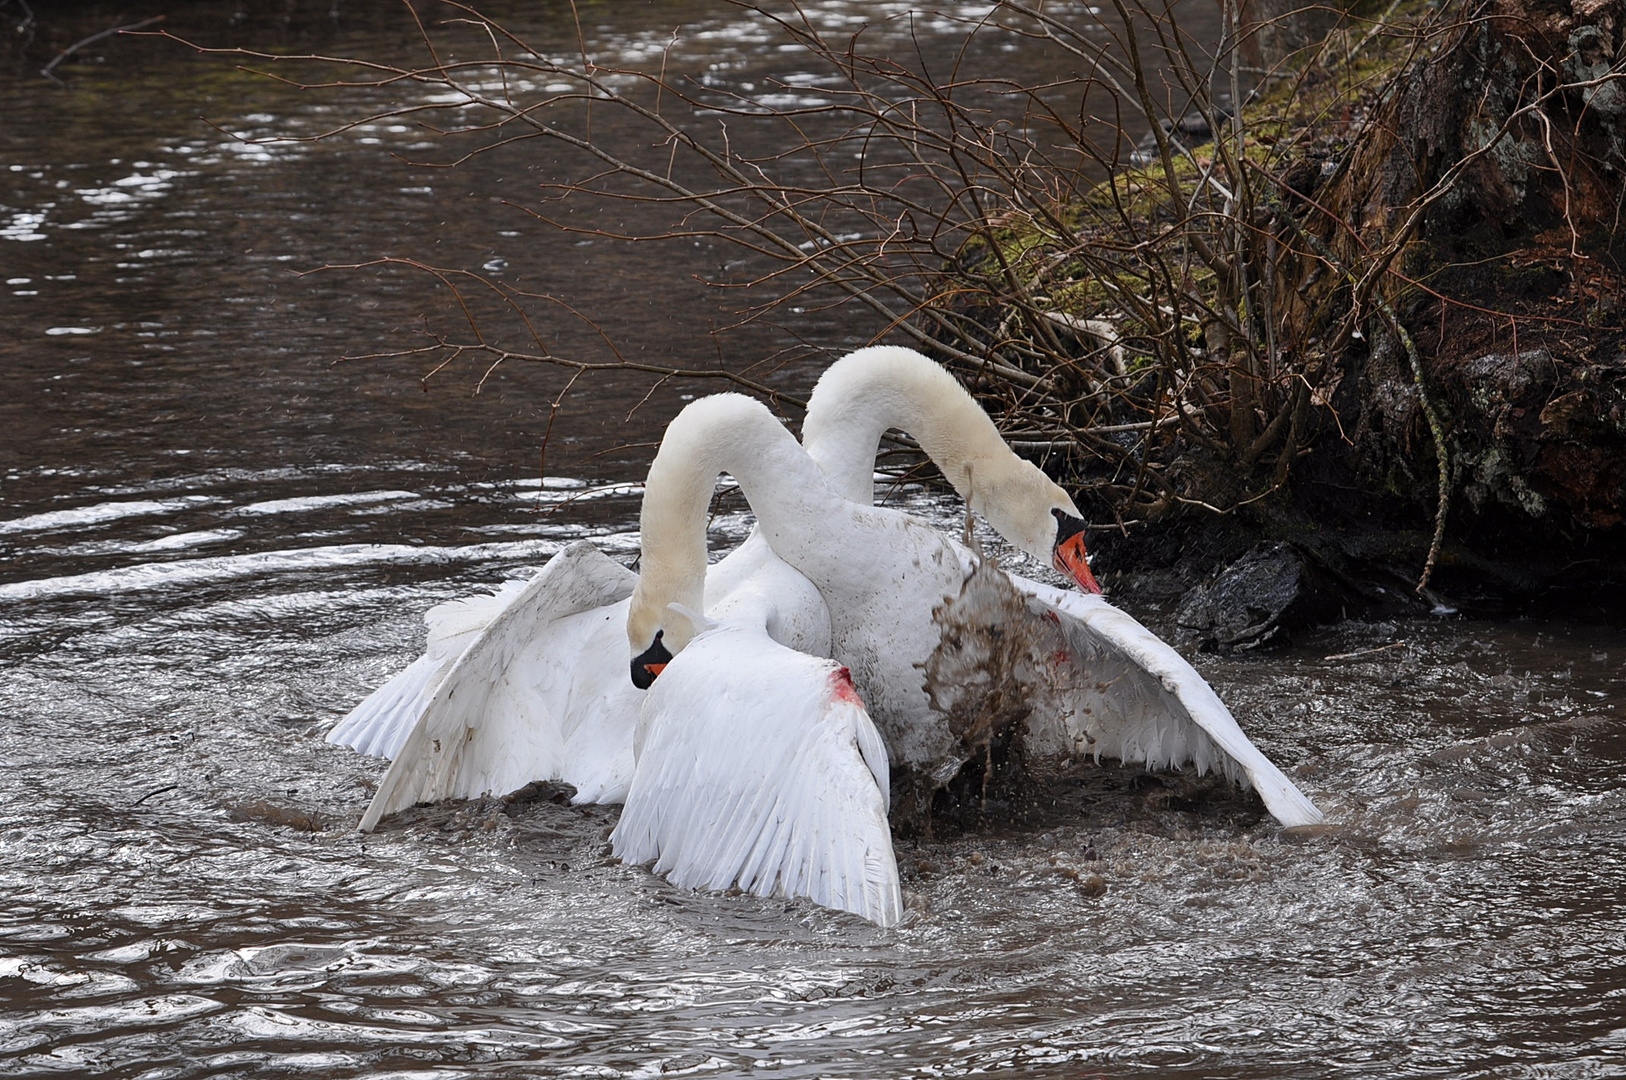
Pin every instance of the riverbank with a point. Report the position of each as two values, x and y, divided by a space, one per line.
1364 353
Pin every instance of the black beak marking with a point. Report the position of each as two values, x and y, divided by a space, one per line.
1067 526
649 663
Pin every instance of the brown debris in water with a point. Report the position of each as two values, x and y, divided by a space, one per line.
269 813
987 675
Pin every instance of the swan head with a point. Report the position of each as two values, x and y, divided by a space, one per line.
651 662
657 634
1031 511
681 625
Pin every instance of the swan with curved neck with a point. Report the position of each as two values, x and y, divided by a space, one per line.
526 685
871 390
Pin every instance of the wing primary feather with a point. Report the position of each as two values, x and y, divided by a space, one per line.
1141 701
781 791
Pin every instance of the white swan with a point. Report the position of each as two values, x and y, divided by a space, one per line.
519 686
533 692
1110 687
1115 690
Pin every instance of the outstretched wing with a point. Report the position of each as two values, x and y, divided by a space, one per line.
761 768
1125 694
497 719
384 719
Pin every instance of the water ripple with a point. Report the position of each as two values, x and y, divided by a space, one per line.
193 572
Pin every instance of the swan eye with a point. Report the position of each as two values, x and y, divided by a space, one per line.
650 663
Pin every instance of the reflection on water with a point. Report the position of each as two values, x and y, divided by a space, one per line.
215 543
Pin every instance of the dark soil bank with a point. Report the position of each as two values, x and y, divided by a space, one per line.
1486 189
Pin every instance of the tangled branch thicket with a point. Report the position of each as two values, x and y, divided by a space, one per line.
1143 280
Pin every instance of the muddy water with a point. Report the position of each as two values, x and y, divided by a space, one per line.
215 542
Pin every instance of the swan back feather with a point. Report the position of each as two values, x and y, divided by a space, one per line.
762 769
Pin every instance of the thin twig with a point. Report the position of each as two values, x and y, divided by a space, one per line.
1366 652
76 46
155 791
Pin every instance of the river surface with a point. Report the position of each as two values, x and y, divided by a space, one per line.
216 541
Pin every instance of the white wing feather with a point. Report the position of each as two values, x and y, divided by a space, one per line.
760 768
494 722
382 722
1128 695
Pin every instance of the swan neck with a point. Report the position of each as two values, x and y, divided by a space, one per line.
869 391
723 433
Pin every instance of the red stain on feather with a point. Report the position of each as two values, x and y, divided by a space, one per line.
842 688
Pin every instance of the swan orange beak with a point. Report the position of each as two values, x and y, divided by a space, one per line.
1069 556
1070 560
